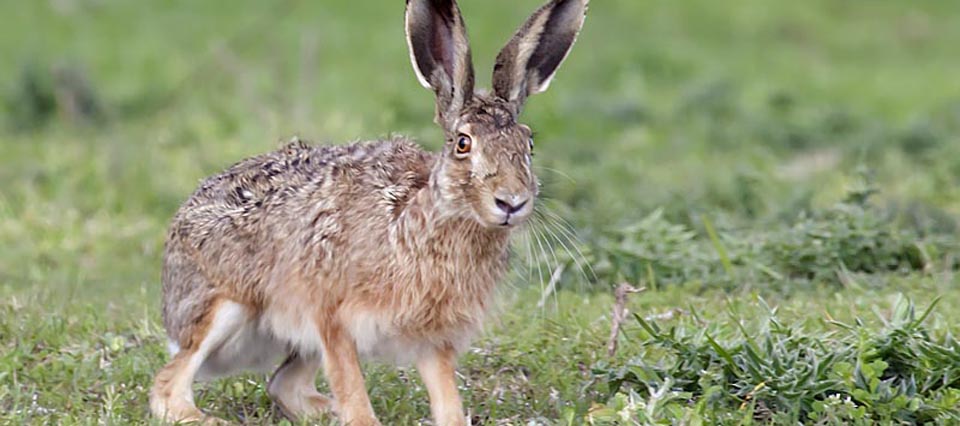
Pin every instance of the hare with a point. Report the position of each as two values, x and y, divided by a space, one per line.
318 256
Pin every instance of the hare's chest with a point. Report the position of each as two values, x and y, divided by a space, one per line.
394 340
417 323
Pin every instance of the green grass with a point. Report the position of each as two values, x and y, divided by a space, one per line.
784 179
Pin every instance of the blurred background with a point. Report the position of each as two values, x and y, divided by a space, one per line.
787 149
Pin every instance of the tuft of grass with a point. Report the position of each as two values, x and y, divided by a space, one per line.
816 247
783 374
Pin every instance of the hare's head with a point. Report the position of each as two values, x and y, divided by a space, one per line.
485 168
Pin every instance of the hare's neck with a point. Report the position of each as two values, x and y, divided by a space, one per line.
427 228
450 266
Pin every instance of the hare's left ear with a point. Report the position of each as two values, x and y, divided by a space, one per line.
530 59
440 54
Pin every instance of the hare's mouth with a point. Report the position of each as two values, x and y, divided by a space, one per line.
498 219
508 219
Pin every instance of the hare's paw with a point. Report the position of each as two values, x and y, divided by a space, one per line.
311 405
182 414
361 421
293 389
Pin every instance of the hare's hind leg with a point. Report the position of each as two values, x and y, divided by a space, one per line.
293 388
171 397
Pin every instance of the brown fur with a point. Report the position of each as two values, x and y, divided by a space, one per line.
332 252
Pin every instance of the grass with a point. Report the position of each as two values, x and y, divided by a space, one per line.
784 179
777 372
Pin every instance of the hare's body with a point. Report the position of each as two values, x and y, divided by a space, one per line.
317 256
270 235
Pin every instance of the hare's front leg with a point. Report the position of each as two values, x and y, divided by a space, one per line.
438 372
293 388
341 364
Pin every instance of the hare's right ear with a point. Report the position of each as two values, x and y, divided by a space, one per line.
530 59
440 54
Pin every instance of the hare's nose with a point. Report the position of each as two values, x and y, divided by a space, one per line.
509 207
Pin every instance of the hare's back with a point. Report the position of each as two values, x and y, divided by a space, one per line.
247 199
253 180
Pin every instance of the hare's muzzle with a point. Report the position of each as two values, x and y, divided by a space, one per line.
512 209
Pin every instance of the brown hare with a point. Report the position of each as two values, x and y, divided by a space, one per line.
318 256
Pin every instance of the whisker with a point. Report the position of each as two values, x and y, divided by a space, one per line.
576 258
532 258
546 258
526 237
541 240
538 261
549 211
564 226
545 227
557 171
573 240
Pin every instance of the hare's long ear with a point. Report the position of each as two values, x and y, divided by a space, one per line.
530 59
440 54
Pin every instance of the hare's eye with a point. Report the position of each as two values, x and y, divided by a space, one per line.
530 141
464 143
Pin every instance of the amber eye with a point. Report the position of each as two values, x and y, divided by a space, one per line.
463 144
